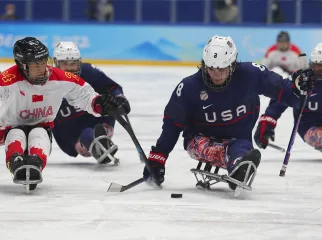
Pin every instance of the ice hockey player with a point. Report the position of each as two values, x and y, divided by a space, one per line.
217 108
31 93
310 128
77 131
283 54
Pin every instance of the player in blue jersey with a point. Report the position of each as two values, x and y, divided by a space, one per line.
217 108
77 132
310 128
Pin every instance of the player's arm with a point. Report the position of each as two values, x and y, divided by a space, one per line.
288 91
83 96
176 116
6 99
267 122
101 82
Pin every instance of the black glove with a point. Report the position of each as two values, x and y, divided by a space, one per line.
107 104
157 162
303 82
265 131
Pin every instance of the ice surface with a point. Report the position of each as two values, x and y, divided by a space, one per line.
72 202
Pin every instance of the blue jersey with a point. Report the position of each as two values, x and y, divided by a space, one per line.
232 113
312 113
70 121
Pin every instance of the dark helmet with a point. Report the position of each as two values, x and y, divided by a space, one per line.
31 50
283 37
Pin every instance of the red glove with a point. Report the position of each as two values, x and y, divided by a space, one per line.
157 162
265 131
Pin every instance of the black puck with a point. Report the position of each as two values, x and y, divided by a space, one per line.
176 195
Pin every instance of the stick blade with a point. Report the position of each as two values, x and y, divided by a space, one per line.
282 173
115 187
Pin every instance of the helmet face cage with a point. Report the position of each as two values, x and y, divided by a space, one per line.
318 72
209 83
316 61
77 61
30 50
67 56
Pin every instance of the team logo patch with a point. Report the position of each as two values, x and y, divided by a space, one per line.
203 95
71 75
7 77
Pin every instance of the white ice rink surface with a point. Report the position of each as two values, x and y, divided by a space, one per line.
72 202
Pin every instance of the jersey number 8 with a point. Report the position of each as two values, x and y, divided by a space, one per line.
179 89
261 67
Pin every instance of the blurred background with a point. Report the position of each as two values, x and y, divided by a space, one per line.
159 31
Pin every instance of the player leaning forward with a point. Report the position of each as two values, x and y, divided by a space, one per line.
31 93
217 108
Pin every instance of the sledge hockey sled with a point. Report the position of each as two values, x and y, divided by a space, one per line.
205 178
30 184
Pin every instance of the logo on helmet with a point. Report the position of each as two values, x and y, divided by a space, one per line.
229 44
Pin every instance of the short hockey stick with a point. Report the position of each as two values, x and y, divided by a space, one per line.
276 147
115 187
139 149
302 58
128 120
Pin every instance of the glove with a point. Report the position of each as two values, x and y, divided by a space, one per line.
265 131
107 104
303 82
157 162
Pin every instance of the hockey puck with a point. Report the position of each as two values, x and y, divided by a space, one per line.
176 195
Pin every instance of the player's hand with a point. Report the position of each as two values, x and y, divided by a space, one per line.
157 162
124 104
107 104
265 131
303 82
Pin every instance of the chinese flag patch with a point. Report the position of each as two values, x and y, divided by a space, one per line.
37 98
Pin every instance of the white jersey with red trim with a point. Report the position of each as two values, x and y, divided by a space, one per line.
288 60
22 103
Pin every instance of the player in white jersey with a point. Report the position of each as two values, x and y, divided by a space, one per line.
31 93
283 54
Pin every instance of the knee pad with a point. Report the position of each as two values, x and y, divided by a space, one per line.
207 149
15 142
39 143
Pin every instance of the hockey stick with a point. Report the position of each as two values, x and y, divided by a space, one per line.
115 187
302 58
276 147
128 120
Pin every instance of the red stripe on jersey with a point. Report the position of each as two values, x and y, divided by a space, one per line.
60 75
10 76
280 95
295 49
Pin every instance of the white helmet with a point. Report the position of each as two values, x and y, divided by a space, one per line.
67 51
219 52
316 58
316 54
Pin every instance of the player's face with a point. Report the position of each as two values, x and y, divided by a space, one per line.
218 76
69 66
317 69
37 69
283 46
